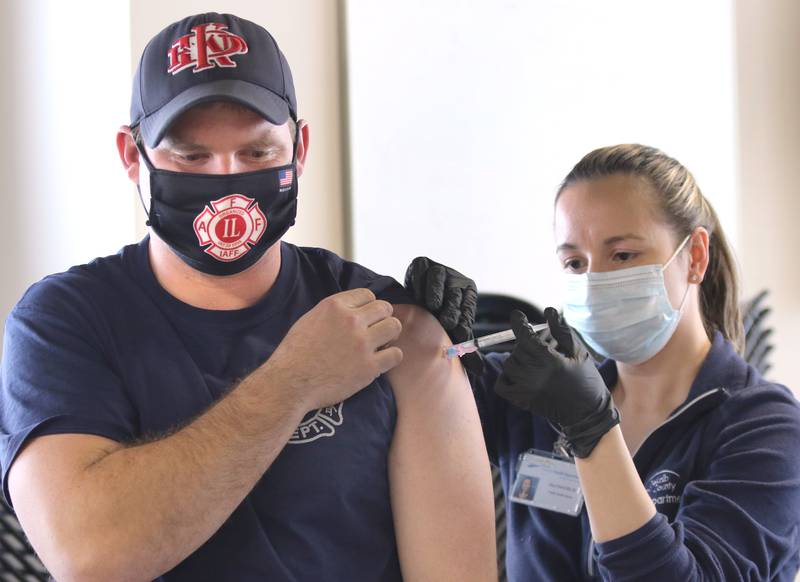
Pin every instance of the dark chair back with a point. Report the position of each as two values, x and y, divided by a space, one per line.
757 333
18 562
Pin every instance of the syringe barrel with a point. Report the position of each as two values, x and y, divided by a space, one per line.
495 338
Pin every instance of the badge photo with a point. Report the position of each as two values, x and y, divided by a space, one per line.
549 482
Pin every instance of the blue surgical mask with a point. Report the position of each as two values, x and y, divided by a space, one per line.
626 314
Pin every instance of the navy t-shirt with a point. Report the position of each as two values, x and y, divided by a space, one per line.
102 349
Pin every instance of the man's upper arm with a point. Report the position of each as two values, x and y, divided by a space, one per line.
442 495
44 484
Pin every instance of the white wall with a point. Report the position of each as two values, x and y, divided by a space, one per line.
466 116
769 104
308 33
64 199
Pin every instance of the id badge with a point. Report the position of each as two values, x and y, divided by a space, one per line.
548 482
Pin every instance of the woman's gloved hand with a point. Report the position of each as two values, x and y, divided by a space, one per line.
451 297
553 376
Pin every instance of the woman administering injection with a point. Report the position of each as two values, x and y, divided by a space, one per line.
688 461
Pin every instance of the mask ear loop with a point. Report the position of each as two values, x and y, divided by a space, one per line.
688 285
144 178
296 142
677 251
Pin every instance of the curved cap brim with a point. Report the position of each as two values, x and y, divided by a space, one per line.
263 101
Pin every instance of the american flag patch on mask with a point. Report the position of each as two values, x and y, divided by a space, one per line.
285 177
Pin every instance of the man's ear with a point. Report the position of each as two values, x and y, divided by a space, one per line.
128 153
302 145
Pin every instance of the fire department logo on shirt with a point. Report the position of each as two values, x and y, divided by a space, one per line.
318 424
209 45
231 225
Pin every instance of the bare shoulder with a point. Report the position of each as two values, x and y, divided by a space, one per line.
420 328
423 341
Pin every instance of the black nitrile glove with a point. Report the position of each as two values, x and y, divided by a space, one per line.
451 297
552 375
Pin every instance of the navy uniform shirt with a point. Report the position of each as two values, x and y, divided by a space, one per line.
723 472
102 349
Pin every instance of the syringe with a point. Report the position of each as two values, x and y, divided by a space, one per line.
470 346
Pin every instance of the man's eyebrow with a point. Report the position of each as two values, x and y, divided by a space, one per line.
266 141
174 143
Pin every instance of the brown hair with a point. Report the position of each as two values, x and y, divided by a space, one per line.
685 208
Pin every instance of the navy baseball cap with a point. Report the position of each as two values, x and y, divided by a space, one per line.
210 57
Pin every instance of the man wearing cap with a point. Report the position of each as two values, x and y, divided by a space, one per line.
215 404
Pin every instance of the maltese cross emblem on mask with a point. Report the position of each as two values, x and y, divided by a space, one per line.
231 226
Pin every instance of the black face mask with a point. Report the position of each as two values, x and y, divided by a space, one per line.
221 224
